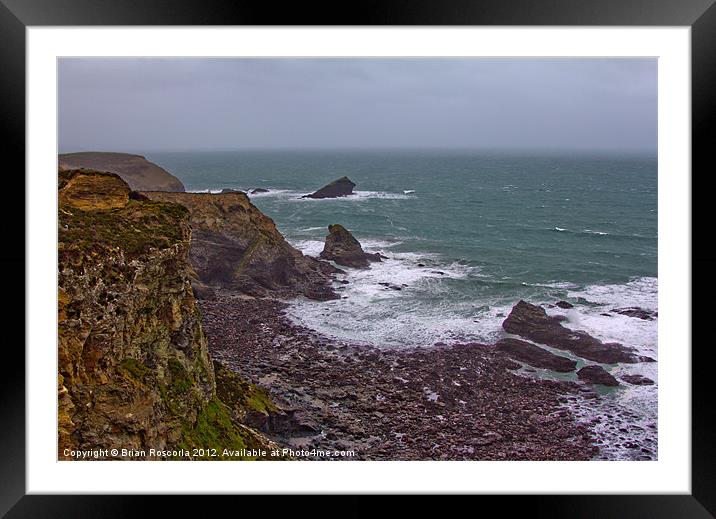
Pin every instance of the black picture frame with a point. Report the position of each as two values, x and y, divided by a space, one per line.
17 15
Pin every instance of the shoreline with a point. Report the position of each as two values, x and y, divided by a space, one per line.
456 402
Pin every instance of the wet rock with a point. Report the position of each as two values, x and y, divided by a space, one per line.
336 189
636 312
638 380
597 375
258 190
564 304
534 355
532 322
345 250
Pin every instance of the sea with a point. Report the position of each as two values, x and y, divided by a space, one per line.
467 234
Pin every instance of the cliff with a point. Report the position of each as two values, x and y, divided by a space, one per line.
134 370
135 170
235 246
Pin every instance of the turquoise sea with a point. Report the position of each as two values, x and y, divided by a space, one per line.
467 234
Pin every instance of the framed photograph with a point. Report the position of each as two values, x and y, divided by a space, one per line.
426 250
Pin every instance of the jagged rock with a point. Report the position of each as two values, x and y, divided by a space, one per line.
638 380
336 189
597 375
532 322
258 190
639 313
135 170
564 305
534 355
237 247
345 250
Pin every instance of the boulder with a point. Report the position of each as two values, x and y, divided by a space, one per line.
638 380
345 250
532 322
534 355
338 188
564 304
258 190
597 375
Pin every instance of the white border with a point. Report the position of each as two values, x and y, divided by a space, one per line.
670 474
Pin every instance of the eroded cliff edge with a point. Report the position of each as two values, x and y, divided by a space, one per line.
134 369
235 246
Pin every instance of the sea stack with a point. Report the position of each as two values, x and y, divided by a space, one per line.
345 250
336 189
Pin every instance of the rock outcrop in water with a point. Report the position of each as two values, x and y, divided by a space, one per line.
234 246
345 250
534 355
638 380
597 375
636 312
139 173
134 370
532 322
336 189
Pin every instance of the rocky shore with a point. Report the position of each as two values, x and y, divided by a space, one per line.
173 333
460 402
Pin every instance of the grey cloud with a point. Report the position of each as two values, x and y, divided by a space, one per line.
152 104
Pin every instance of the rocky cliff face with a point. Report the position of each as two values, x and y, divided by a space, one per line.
235 246
135 170
134 370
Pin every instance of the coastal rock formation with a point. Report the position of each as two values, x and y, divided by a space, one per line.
336 189
638 380
135 170
90 190
597 375
258 190
639 313
345 250
457 402
534 355
236 247
532 322
133 364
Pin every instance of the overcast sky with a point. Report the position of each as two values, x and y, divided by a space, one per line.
190 104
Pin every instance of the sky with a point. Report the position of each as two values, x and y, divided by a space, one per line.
152 104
